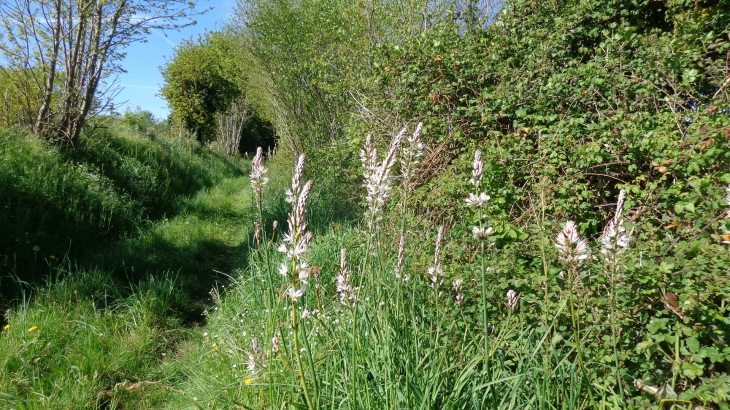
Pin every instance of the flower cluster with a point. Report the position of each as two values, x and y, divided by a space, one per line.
615 239
258 172
458 287
435 272
297 240
411 156
347 292
478 199
573 249
481 233
511 299
256 358
377 175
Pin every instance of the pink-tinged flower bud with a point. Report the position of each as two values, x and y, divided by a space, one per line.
511 299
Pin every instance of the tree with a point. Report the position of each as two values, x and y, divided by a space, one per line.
203 80
231 124
72 48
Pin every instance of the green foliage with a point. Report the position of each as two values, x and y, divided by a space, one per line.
17 104
83 345
201 80
56 203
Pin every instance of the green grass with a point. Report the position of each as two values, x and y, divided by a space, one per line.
58 204
91 325
180 313
97 334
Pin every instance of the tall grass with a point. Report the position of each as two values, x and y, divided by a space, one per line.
390 327
108 336
57 203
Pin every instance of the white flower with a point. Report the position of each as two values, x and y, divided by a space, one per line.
481 233
477 169
275 343
295 294
458 288
435 273
251 364
347 292
477 200
572 248
615 239
511 299
258 172
412 153
377 176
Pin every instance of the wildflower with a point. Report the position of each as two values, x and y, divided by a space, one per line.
33 328
52 256
615 239
458 288
377 176
511 299
481 233
36 248
248 381
294 293
258 172
296 241
412 153
257 232
573 249
6 327
347 292
275 343
477 169
435 272
255 346
477 200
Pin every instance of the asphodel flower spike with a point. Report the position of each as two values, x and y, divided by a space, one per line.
511 299
297 240
615 239
573 249
436 272
258 172
377 176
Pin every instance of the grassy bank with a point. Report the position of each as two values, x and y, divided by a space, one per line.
58 204
131 233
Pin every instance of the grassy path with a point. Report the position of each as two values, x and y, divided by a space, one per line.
92 340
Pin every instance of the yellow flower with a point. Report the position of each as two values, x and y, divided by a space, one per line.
248 380
33 328
6 327
53 256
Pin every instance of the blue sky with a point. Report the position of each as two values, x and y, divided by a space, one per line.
141 84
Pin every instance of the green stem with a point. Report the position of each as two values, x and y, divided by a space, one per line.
613 328
297 353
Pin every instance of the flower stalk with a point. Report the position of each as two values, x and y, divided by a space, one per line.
296 270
